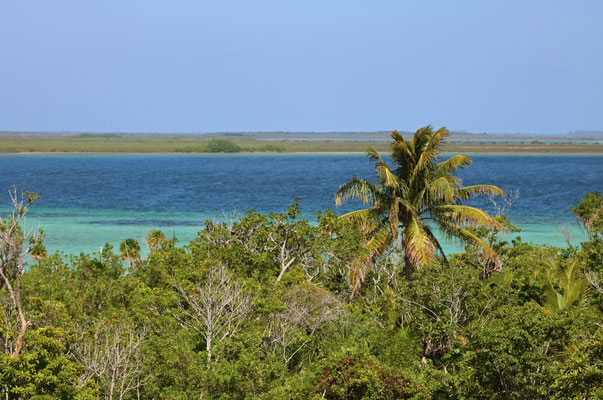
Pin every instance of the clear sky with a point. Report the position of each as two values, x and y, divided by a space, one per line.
306 65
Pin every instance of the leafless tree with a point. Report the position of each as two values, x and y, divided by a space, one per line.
503 204
215 308
501 208
290 250
566 234
15 245
229 218
306 309
112 355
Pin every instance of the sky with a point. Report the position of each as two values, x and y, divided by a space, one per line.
307 65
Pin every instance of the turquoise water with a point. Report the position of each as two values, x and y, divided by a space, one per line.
472 140
88 200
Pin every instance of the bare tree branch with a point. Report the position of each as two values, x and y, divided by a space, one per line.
112 355
15 244
306 309
215 308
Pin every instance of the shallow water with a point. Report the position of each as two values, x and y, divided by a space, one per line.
88 200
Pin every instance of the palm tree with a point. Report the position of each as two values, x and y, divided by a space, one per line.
130 251
39 253
405 199
155 239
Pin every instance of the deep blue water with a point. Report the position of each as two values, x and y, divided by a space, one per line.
87 199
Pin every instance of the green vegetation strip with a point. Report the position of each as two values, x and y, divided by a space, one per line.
231 143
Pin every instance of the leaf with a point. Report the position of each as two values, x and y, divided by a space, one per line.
489 254
572 287
465 215
359 189
418 246
374 249
449 166
467 191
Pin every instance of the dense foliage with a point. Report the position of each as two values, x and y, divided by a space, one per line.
268 308
261 309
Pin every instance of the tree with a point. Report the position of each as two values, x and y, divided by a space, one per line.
222 146
43 370
438 303
306 308
39 253
291 240
353 375
418 190
215 308
112 356
589 213
515 352
155 239
13 249
130 250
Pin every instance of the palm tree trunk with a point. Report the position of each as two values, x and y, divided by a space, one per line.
409 267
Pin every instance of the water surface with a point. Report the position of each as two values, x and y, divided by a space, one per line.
91 199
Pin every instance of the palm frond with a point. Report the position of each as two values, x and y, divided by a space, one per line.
467 191
359 189
388 178
357 216
367 220
417 244
425 159
436 242
374 156
402 154
422 140
441 189
488 253
465 215
440 135
449 166
397 136
374 249
453 230
394 220
357 272
380 242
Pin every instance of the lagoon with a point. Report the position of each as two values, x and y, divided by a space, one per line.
89 199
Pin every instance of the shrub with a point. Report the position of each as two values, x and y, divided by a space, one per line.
222 146
360 376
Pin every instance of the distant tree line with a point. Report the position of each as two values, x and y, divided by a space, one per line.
227 146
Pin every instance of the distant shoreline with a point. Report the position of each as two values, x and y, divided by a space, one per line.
296 153
257 143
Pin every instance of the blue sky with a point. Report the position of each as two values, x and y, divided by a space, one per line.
307 65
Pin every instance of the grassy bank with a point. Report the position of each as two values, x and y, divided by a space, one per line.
189 143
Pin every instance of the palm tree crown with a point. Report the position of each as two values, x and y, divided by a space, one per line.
403 201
